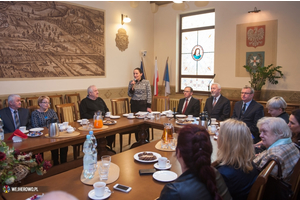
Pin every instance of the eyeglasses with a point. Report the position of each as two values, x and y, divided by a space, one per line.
245 93
46 103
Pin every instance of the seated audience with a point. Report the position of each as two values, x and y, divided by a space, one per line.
199 179
235 155
14 116
217 106
189 105
276 137
294 124
248 111
91 104
40 118
276 107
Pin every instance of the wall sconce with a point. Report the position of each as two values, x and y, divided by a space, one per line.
254 11
125 19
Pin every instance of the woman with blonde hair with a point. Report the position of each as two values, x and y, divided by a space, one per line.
235 155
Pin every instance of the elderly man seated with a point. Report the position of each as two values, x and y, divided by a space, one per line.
14 116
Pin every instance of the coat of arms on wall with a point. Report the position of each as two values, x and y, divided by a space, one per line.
122 39
50 39
256 43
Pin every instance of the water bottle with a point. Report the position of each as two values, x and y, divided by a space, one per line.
88 159
94 140
1 130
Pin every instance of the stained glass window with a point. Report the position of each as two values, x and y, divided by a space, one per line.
197 44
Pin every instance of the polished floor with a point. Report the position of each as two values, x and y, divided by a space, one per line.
116 148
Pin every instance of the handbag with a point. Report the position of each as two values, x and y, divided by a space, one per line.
276 188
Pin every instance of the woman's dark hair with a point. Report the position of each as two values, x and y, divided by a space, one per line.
139 69
296 113
195 149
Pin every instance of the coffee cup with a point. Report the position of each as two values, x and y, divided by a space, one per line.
84 121
108 114
190 116
62 127
130 115
22 128
70 129
213 120
66 124
99 188
162 162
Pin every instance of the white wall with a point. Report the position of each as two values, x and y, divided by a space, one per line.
228 15
119 65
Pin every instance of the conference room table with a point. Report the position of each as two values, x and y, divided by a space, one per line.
143 186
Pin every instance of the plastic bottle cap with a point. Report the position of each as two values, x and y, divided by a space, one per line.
91 132
88 137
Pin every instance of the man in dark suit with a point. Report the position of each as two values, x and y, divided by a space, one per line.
189 105
14 116
217 106
249 111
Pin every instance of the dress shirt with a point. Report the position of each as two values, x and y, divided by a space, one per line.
247 105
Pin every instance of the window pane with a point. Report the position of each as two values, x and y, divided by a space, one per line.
206 39
188 65
206 64
196 21
198 84
189 40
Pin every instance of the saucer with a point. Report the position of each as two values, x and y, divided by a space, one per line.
91 194
125 115
168 166
36 129
165 176
114 116
130 117
26 131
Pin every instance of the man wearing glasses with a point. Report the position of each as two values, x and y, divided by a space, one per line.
14 116
189 105
249 111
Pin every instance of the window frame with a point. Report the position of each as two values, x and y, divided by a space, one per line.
180 49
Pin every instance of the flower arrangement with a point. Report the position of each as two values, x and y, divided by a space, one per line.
15 165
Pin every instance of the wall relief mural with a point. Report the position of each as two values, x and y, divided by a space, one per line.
50 39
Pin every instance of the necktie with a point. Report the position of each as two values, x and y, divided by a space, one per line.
214 102
185 106
244 109
17 121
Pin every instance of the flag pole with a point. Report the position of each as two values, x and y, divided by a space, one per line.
165 71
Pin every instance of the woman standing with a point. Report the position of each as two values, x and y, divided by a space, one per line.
276 108
40 117
235 155
294 124
140 92
199 180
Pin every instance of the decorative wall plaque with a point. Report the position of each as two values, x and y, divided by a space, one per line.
122 39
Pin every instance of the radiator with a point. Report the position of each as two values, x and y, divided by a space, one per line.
174 104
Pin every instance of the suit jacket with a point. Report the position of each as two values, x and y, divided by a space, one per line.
254 112
8 121
193 107
220 111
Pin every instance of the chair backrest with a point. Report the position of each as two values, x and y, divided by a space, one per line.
200 100
32 108
295 180
160 103
73 98
257 189
119 106
54 100
66 112
32 101
23 102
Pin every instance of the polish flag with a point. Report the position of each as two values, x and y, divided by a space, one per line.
155 81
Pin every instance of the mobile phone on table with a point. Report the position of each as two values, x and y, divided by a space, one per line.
122 188
147 171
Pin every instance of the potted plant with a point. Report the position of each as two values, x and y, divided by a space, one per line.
259 75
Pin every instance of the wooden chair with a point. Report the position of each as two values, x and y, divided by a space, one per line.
68 113
32 108
54 100
295 181
160 103
118 107
257 189
23 102
73 98
32 101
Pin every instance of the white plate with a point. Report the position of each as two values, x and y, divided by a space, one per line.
180 116
136 157
168 166
141 113
40 134
165 176
125 115
140 116
155 112
113 122
114 117
107 116
26 131
91 194
170 116
36 129
184 123
130 117
79 121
